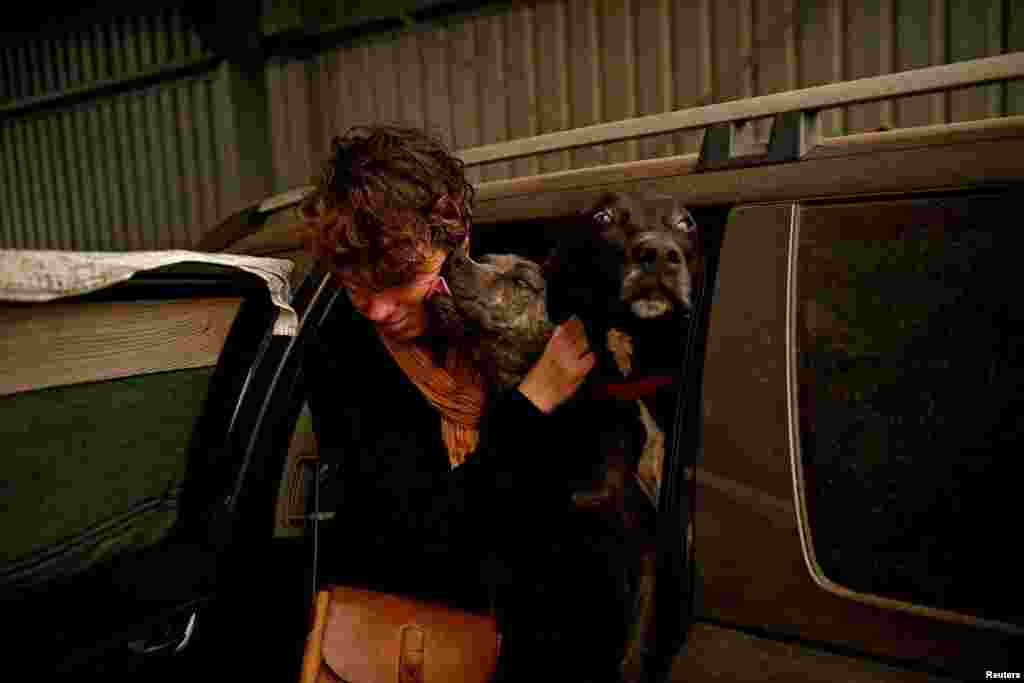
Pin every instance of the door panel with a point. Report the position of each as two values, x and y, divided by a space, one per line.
750 540
101 404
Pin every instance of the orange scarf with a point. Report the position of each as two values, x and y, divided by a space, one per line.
456 390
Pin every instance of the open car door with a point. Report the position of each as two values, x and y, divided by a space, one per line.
141 425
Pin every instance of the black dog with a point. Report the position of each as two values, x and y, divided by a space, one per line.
624 272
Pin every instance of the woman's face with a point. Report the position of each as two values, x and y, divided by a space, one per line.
399 313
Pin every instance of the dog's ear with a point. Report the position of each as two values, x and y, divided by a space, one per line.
680 223
680 219
612 209
611 219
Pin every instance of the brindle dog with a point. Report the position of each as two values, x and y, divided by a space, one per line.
625 274
503 305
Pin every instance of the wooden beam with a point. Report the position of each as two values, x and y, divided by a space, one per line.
583 177
894 162
905 138
91 342
913 82
540 196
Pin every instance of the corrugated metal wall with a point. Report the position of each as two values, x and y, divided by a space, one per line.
92 157
549 66
88 54
131 171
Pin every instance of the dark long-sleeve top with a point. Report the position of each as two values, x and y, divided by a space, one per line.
405 517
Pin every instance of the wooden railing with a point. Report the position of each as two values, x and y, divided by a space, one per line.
807 100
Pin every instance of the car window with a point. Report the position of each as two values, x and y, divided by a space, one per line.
910 335
97 410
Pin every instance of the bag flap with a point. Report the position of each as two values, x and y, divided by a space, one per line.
369 636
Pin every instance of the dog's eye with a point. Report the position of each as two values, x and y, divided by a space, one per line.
685 223
604 216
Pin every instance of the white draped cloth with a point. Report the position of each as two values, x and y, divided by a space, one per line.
44 275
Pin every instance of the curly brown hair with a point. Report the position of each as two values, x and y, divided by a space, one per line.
386 197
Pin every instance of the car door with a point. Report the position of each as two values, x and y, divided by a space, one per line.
861 397
143 442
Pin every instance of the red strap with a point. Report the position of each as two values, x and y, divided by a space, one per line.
631 390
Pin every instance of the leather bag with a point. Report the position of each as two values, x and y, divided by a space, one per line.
364 636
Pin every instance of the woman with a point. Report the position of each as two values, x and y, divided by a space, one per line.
435 478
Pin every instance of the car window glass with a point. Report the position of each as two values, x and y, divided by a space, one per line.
909 335
96 430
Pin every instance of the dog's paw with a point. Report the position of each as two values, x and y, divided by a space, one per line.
621 346
652 458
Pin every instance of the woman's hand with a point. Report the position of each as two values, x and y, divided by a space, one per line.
566 360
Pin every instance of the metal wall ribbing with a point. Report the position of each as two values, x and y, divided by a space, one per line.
61 60
109 137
